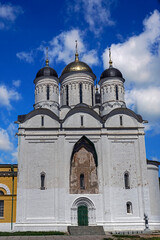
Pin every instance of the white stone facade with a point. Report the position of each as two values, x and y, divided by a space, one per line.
116 135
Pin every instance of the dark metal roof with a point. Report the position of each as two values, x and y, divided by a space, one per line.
156 163
111 72
23 118
125 111
46 71
82 107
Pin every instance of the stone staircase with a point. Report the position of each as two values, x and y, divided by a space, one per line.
86 230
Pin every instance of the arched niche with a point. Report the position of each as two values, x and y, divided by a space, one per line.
83 168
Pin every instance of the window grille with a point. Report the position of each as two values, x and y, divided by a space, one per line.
1 208
82 183
126 180
81 121
80 92
67 96
129 207
116 92
42 121
92 94
121 120
47 92
42 181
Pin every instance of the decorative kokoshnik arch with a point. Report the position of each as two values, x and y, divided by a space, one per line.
83 169
88 145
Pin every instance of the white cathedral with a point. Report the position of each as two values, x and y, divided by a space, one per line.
82 158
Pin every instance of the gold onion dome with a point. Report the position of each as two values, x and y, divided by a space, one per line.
77 66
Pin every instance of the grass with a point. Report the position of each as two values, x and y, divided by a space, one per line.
29 233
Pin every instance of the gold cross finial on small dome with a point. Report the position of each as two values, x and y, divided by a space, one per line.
47 61
110 60
76 54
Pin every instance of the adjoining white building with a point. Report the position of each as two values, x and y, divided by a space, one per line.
82 161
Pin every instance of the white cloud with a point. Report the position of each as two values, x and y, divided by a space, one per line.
135 57
155 159
28 57
146 102
96 13
8 14
16 83
138 59
62 48
14 155
7 95
12 129
5 143
1 161
91 57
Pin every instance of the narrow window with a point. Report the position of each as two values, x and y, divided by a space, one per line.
42 181
129 207
116 92
81 121
126 180
92 94
67 96
42 121
1 193
80 92
1 208
47 92
121 120
82 184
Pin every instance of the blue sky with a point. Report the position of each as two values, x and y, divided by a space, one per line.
130 28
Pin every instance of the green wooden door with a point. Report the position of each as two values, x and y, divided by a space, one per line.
82 216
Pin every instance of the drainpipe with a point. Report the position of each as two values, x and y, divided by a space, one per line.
12 170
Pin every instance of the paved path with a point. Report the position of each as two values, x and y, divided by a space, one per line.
62 237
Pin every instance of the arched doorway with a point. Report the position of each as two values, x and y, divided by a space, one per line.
82 216
83 212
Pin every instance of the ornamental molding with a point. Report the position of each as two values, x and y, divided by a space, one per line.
5 188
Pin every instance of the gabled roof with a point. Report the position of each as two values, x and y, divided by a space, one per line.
125 111
45 111
82 107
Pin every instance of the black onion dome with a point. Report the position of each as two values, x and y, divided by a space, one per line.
111 72
46 71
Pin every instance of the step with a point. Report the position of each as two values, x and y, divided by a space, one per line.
86 230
